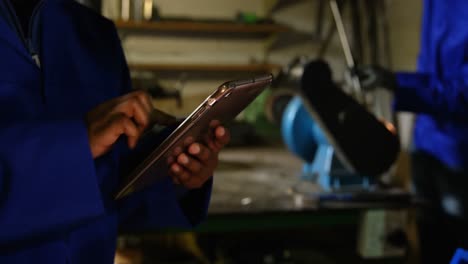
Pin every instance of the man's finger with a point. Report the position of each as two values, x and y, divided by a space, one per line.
221 138
177 151
173 175
120 124
145 99
179 172
222 135
215 123
134 108
199 151
192 165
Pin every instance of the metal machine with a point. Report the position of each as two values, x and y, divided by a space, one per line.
305 138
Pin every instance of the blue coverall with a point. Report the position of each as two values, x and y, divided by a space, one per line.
438 92
56 202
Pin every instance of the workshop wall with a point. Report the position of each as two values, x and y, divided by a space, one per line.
405 21
405 27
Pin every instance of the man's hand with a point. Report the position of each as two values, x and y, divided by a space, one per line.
373 77
195 164
128 115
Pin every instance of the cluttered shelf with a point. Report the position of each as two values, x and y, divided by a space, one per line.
202 26
259 68
209 28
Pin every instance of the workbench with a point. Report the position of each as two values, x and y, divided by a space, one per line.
258 202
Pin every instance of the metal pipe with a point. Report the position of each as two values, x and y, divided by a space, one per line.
346 49
342 34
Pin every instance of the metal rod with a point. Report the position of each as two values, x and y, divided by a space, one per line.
342 34
346 49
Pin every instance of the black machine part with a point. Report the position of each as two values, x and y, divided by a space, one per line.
363 143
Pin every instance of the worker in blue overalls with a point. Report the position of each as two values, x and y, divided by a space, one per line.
67 119
438 93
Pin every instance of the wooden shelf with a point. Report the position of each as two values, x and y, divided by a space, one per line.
206 67
204 27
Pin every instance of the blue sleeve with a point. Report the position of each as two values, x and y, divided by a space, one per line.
47 179
160 207
427 94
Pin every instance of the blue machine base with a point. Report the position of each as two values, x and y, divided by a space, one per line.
304 138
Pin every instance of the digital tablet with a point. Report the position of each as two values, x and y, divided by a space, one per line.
224 104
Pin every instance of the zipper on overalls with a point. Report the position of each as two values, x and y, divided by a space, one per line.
33 29
28 40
